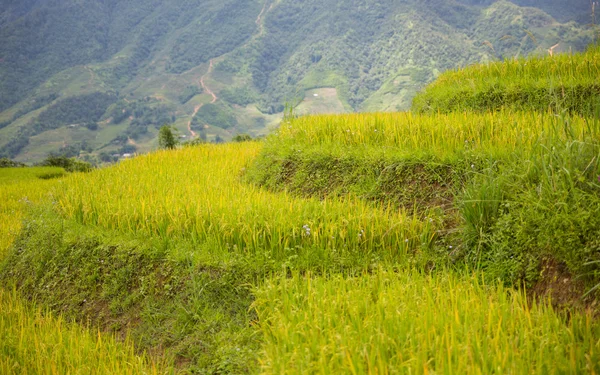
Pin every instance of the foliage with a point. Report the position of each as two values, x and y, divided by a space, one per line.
376 56
505 172
238 95
242 138
145 246
562 83
188 93
31 105
215 115
166 139
68 164
194 142
7 163
19 188
143 113
77 110
196 314
201 213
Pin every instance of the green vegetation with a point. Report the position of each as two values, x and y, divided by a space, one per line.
188 93
559 83
524 186
145 247
254 56
166 139
19 188
68 164
464 242
73 111
215 115
7 163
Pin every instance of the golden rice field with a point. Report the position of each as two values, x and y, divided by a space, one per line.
412 323
33 342
545 71
443 136
382 315
561 83
399 321
19 188
197 194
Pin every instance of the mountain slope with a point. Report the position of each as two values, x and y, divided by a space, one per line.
150 56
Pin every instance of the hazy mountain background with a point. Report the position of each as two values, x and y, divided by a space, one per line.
97 78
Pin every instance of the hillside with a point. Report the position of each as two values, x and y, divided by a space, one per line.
462 242
144 63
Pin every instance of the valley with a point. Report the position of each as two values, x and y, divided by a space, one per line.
265 55
458 237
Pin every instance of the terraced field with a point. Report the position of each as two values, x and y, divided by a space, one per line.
464 242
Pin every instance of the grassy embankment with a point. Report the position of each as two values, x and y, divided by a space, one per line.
32 341
345 272
514 189
563 83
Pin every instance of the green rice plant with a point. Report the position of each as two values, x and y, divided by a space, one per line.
549 211
408 322
34 342
564 82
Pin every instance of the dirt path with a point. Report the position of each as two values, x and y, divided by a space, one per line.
260 19
261 29
259 22
208 91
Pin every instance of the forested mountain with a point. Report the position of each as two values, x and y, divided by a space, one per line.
103 75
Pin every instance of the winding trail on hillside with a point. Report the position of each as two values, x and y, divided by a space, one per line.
268 5
208 91
259 19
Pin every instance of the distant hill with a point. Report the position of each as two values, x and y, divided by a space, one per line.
98 78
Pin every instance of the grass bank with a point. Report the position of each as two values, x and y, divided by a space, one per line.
561 83
513 191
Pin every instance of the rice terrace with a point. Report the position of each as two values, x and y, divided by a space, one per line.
459 237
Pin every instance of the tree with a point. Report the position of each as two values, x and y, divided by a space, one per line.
242 138
166 138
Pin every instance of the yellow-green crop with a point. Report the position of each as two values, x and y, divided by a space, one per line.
20 187
411 323
443 136
197 194
566 82
34 342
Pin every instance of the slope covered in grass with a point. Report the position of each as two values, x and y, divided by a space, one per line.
564 82
177 250
167 246
342 244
